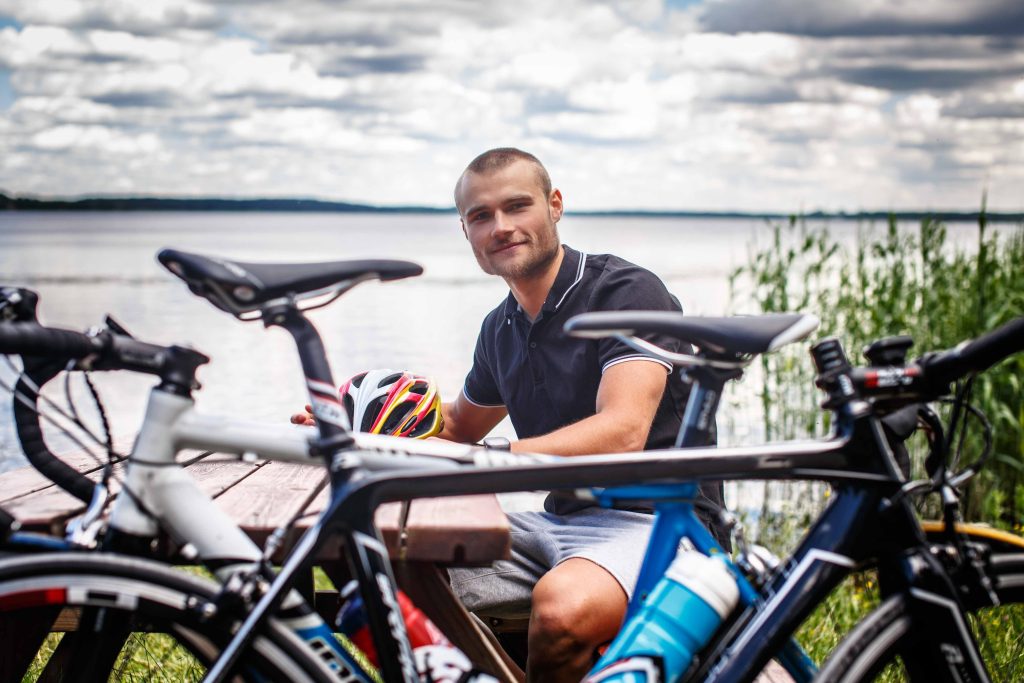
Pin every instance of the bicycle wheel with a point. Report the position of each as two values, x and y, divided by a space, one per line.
874 649
95 617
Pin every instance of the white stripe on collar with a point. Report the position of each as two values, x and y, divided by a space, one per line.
579 276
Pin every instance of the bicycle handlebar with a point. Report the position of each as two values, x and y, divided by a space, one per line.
47 350
976 355
30 339
30 435
930 376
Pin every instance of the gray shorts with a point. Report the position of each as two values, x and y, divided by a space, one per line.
612 539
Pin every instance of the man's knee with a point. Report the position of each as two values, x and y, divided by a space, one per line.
576 607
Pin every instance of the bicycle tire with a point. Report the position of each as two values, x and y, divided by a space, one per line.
167 613
871 651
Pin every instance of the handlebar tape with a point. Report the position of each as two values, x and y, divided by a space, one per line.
45 351
30 434
30 339
976 355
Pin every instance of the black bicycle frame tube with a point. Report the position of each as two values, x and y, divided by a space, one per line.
950 653
331 420
369 564
860 525
828 553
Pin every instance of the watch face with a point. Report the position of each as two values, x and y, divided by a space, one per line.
497 443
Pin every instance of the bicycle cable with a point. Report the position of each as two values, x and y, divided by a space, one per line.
31 405
108 469
113 456
52 405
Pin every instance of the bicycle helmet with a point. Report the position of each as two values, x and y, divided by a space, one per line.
393 402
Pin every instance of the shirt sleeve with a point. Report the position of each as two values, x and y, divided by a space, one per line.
480 388
634 289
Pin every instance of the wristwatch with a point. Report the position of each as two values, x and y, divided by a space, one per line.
497 443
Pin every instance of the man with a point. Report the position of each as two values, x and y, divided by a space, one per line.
573 565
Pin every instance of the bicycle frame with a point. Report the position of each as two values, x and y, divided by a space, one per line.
840 541
855 459
843 539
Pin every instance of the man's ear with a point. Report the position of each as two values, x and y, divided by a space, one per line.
463 224
555 204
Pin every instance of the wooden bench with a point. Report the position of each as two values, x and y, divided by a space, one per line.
422 536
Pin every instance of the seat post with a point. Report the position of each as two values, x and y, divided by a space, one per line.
707 383
331 419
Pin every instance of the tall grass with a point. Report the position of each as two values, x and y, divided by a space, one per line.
895 282
892 282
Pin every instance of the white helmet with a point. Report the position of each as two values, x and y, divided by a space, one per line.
393 402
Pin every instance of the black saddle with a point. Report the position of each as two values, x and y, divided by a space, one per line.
238 287
728 336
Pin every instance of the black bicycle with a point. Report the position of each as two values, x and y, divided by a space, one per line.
931 581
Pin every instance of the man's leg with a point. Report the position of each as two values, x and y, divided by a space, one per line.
577 606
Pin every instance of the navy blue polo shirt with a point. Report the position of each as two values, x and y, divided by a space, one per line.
547 379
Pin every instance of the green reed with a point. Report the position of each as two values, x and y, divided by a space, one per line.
897 282
889 283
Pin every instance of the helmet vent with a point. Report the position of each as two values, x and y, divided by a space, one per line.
371 413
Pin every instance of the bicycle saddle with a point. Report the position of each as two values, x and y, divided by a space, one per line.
238 287
731 336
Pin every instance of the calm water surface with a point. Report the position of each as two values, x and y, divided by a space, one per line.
85 265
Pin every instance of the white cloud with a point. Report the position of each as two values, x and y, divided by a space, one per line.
719 106
151 16
90 138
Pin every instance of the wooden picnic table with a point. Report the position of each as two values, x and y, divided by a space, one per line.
422 536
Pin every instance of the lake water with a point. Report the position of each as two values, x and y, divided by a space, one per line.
85 265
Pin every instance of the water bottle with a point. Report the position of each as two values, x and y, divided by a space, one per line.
677 619
436 659
353 623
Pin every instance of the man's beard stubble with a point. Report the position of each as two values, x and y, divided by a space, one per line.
539 260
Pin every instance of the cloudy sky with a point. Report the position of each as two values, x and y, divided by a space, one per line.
784 105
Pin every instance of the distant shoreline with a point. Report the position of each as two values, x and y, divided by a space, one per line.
8 203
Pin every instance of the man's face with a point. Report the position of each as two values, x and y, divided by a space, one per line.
509 221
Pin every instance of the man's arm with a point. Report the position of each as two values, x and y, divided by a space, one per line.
627 400
467 422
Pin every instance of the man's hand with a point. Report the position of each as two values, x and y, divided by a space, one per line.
305 418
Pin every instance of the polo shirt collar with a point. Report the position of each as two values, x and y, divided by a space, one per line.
570 274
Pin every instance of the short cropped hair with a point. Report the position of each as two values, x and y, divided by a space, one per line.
499 158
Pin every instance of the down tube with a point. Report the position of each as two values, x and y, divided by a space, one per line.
824 558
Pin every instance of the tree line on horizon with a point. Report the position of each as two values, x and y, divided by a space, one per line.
103 203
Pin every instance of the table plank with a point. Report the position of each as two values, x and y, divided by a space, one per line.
388 518
25 480
261 496
271 495
461 530
40 505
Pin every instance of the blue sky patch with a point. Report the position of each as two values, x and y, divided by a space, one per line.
681 4
7 95
232 30
9 21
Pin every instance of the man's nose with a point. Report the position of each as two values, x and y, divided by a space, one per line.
502 223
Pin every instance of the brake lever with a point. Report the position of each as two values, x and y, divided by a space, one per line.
18 304
116 327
